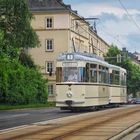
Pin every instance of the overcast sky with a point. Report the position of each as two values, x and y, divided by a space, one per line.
115 25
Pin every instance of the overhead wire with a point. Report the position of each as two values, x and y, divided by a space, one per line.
111 35
130 17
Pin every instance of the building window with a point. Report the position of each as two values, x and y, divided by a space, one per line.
49 45
50 89
49 22
49 67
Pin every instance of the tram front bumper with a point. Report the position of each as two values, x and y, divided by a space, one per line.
70 102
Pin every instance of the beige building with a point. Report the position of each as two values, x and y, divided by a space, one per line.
60 29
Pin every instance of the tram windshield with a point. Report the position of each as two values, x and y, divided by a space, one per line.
70 74
90 73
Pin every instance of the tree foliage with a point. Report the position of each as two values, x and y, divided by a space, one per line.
20 80
133 71
21 85
111 55
15 24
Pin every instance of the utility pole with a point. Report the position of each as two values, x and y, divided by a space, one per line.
119 58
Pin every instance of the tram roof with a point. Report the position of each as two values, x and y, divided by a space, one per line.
82 57
88 57
117 68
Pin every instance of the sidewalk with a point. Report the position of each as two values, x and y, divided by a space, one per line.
135 135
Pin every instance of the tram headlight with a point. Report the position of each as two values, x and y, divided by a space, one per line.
69 94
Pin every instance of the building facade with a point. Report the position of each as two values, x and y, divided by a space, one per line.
60 29
134 57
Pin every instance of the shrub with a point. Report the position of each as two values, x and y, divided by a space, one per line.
20 84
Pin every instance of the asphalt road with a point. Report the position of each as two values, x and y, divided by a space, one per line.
14 118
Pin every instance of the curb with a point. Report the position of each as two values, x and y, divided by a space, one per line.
125 132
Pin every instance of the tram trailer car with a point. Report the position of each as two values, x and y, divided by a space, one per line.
83 81
117 90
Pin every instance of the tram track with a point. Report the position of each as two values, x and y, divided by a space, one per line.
103 125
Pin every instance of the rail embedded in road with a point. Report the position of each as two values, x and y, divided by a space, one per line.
100 125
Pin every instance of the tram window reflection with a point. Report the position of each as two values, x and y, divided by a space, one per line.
93 73
87 73
82 76
115 78
93 76
123 79
72 76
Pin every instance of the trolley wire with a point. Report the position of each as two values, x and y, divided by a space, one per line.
111 35
130 17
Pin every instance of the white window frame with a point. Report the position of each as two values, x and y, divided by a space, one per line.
49 66
49 22
50 89
49 45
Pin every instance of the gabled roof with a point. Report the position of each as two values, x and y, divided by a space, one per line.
48 5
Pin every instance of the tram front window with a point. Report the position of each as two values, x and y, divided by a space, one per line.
70 74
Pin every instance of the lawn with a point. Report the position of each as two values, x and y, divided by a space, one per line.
9 107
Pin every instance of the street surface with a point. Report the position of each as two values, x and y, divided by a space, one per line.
104 124
14 118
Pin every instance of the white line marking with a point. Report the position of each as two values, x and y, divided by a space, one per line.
14 116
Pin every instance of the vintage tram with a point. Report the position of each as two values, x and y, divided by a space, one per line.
117 86
85 81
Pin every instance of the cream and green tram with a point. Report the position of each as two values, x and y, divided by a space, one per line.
117 88
82 81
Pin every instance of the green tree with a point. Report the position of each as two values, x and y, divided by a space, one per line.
133 71
15 24
20 84
111 56
20 80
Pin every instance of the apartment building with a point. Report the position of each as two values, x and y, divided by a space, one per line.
135 57
60 29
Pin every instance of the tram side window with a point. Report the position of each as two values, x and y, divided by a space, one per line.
82 76
116 74
115 77
123 79
107 75
59 74
102 77
111 78
103 74
93 73
87 73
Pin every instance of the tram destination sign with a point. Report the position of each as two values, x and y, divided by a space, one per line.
69 64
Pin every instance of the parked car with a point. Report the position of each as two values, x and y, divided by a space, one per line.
137 101
131 100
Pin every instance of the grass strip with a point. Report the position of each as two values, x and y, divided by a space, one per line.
10 107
